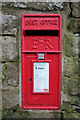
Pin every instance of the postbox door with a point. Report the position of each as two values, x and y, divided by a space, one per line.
36 98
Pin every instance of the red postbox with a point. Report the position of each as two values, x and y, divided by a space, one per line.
41 61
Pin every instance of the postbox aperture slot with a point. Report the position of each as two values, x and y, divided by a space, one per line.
41 32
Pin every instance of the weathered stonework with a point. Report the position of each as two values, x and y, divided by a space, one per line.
9 48
40 6
10 98
70 115
45 115
9 24
11 74
74 25
69 44
75 9
11 35
66 8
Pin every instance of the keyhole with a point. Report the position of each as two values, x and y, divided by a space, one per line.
31 79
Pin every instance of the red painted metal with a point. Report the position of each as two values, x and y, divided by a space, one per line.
41 33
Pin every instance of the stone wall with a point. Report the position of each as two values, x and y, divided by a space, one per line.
11 58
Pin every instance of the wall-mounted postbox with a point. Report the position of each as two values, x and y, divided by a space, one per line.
41 61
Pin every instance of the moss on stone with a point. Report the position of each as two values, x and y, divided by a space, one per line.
69 115
4 74
74 25
69 43
15 112
68 107
76 77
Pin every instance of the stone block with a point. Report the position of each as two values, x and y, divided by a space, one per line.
67 106
73 87
9 24
66 8
71 80
69 67
45 114
75 100
43 6
10 74
74 25
69 101
67 115
8 77
9 48
69 40
15 4
71 106
36 5
10 98
65 97
15 113
70 83
75 9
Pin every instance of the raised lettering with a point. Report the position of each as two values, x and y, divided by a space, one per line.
48 44
41 42
31 22
34 43
42 22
